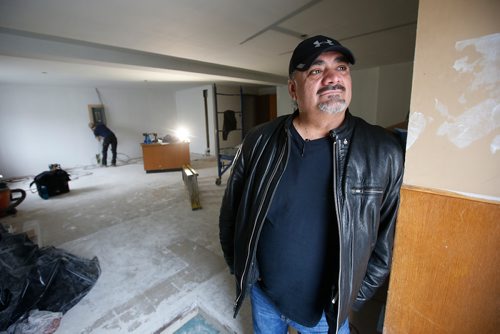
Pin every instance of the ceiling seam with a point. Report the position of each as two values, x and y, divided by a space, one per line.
365 34
274 25
379 30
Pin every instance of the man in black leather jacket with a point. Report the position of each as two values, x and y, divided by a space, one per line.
307 219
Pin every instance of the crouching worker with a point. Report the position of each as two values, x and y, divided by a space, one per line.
108 138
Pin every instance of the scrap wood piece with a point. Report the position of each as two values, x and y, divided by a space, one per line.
190 178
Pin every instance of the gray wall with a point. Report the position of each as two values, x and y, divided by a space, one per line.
381 95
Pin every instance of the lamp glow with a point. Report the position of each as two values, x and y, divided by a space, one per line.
182 134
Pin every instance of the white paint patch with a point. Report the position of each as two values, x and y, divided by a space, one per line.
482 118
463 65
495 145
416 126
478 196
462 99
486 68
473 124
441 108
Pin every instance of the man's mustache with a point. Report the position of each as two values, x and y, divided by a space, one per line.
331 87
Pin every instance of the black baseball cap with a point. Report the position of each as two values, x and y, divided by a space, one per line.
309 49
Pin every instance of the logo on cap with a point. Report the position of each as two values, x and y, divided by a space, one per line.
318 44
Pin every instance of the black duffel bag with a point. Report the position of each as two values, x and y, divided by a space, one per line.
51 183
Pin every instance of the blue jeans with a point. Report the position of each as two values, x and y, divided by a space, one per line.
268 320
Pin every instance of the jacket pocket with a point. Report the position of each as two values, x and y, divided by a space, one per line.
365 206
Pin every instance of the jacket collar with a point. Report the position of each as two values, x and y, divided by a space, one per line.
342 131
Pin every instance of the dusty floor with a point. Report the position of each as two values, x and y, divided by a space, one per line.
160 260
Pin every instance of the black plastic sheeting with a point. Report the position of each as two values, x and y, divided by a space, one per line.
48 278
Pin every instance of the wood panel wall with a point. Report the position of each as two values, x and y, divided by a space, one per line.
446 267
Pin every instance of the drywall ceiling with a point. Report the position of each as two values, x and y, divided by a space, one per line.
72 41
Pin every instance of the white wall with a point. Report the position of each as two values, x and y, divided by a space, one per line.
134 110
191 115
40 125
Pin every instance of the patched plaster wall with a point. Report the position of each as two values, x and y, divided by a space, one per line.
454 129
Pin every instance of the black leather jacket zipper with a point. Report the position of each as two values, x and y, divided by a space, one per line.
254 250
361 191
337 213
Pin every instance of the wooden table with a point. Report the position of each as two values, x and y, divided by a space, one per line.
160 157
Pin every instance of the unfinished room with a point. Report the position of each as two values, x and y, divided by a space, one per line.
131 130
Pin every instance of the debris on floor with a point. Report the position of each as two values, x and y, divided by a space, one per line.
34 279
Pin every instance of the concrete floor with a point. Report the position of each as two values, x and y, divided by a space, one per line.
160 260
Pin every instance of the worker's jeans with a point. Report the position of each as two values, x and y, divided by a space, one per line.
268 320
109 140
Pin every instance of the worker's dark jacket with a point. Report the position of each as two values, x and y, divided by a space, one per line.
367 167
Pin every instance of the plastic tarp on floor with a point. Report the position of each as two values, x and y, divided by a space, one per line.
45 279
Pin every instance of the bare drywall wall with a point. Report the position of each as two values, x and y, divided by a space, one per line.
42 124
191 116
454 129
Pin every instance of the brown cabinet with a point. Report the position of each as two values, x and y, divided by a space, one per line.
165 156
